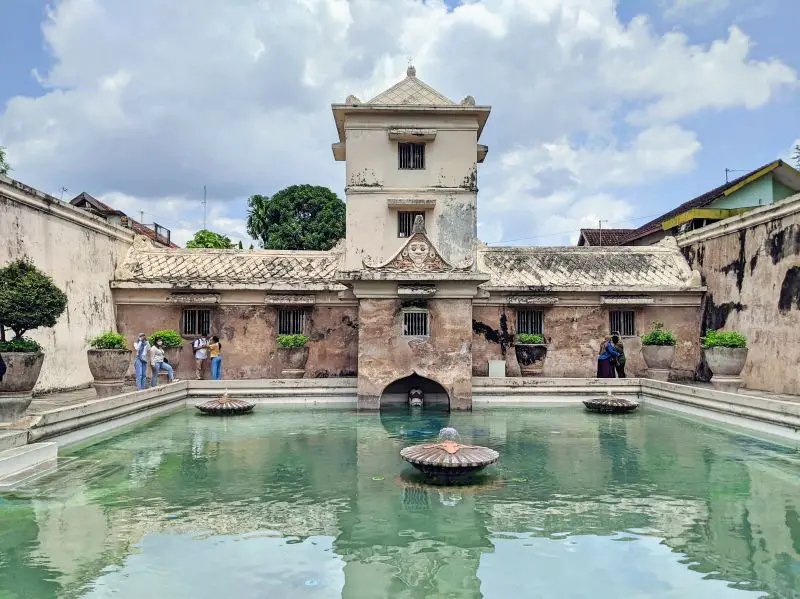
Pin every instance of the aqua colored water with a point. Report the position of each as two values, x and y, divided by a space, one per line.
284 504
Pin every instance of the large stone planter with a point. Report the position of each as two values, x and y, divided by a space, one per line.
659 360
16 389
726 365
108 368
293 361
530 357
173 356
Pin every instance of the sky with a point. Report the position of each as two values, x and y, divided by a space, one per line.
601 109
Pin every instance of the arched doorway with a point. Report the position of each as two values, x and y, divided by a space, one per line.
395 394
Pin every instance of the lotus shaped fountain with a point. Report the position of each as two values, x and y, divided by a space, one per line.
448 461
225 406
610 405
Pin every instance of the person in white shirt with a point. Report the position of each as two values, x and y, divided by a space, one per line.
158 363
200 347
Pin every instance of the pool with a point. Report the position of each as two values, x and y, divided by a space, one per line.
291 503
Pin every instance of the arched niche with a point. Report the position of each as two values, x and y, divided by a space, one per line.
395 394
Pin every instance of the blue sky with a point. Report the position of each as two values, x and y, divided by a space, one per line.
143 113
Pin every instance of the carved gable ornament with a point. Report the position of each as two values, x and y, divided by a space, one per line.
418 255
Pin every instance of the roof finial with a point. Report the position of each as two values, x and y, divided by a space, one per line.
411 71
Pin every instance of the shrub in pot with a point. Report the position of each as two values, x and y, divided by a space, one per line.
658 347
109 360
293 354
28 300
173 346
725 353
531 352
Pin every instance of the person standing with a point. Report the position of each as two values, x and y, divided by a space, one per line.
200 347
142 348
158 362
605 368
619 361
215 350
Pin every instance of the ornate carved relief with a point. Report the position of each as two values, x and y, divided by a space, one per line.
289 300
532 300
193 298
418 255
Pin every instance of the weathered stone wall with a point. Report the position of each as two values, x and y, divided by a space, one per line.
385 355
249 337
574 334
751 266
80 252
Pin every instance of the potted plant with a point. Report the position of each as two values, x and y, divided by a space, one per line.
28 300
531 352
658 349
109 360
173 346
293 355
726 354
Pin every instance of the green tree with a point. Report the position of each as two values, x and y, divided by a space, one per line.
300 217
28 299
4 166
208 239
796 156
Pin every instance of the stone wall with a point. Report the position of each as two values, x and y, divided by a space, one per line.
574 333
80 252
751 266
444 356
249 337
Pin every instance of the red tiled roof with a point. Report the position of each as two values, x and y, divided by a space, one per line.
700 201
608 236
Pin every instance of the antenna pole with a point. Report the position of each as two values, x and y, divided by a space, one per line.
600 226
204 207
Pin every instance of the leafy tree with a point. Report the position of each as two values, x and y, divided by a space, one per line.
300 217
4 166
28 299
208 239
241 247
796 156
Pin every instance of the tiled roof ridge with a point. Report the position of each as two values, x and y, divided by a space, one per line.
409 81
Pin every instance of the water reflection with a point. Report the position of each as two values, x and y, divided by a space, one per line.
319 504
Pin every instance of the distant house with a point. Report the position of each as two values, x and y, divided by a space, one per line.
600 237
160 235
763 186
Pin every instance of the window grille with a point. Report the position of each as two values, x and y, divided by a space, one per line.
624 322
405 222
530 322
415 323
196 322
411 156
291 322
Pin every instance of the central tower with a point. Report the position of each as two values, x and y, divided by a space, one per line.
411 165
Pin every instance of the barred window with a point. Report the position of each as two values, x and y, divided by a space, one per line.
411 156
292 321
623 322
530 322
405 222
196 322
415 323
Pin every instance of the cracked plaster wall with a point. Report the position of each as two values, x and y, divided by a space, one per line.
82 262
249 337
753 287
573 335
373 178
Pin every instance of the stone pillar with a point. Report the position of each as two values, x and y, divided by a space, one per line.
443 356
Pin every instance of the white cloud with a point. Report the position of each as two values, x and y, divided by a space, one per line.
154 100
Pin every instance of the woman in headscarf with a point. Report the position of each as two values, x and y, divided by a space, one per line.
619 361
605 366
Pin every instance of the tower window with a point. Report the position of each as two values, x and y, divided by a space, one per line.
530 322
415 323
624 322
405 222
411 156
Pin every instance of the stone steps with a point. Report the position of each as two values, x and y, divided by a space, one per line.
23 462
